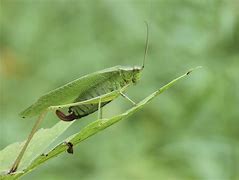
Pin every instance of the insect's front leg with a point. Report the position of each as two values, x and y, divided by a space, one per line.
126 97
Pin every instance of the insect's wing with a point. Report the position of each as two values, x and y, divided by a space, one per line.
103 98
67 93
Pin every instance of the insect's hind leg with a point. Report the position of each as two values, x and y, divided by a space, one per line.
126 97
33 131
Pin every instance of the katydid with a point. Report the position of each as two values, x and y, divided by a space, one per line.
84 96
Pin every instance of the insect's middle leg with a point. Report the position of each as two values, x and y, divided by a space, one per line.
99 110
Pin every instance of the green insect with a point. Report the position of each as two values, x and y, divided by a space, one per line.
84 96
112 80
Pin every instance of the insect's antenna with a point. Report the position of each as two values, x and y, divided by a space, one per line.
146 43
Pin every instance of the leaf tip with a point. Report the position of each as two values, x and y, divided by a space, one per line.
191 70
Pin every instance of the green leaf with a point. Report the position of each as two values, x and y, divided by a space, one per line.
41 140
34 155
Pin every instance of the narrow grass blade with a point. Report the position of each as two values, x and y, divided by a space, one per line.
75 139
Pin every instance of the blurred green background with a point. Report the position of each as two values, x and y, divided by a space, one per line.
189 132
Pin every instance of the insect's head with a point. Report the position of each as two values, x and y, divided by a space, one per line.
131 74
136 73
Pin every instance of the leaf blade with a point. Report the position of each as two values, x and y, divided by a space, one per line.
90 130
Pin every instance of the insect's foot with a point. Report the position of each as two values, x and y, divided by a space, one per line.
70 147
101 123
12 170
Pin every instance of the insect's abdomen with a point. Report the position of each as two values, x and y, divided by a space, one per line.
108 85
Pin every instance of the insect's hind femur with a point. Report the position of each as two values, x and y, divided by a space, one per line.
72 116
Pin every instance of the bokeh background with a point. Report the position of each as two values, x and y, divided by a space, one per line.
189 132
